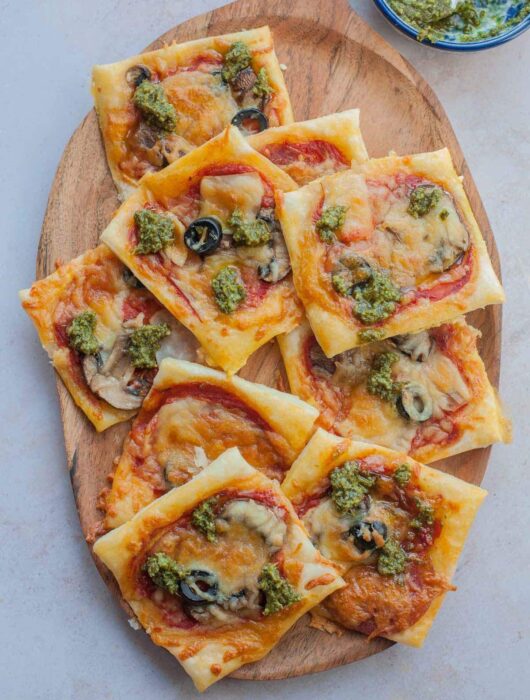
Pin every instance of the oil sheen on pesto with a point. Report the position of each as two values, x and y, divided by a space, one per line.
465 21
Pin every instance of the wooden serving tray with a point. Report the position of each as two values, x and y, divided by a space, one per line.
334 62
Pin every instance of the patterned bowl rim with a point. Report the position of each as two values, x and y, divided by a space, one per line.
409 31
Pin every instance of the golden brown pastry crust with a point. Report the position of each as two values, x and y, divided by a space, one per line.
209 654
272 429
227 339
329 314
201 113
354 413
314 148
457 505
93 281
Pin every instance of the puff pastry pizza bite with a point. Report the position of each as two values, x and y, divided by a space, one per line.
218 569
394 527
191 416
104 333
314 148
203 236
392 247
155 107
424 393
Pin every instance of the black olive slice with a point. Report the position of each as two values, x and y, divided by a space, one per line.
415 403
137 74
252 114
363 534
203 236
199 587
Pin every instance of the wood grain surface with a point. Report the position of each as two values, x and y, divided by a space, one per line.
334 62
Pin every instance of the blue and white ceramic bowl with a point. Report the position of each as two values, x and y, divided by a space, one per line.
451 41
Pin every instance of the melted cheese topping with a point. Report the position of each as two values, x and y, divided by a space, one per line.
303 172
329 530
188 423
204 104
415 249
350 191
221 194
379 422
236 558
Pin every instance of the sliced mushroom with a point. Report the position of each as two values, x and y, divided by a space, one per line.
359 269
174 147
111 376
415 403
320 362
256 517
145 142
450 237
352 367
278 265
417 346
243 83
136 75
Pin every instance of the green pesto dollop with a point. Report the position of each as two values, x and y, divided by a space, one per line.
227 289
80 332
330 220
376 300
380 382
144 342
203 519
392 559
370 335
249 233
465 21
156 109
155 231
236 59
349 485
340 284
422 199
402 474
279 592
262 86
165 572
424 514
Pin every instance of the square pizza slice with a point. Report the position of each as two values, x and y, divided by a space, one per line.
104 333
389 247
192 415
395 527
203 236
424 393
218 569
314 148
155 107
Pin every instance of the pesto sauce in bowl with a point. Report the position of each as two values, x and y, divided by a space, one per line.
453 22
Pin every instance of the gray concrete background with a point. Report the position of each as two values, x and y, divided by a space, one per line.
62 636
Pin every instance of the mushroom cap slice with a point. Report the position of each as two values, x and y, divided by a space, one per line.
110 377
